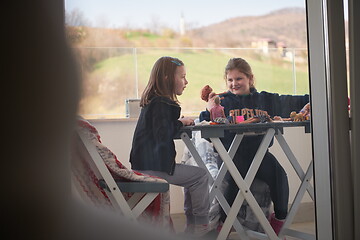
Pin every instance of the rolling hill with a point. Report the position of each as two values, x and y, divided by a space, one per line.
286 25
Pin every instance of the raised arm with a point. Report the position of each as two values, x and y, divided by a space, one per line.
290 103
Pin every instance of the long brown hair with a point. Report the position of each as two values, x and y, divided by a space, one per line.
241 65
162 80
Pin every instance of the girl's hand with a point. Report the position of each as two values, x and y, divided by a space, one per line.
186 121
211 103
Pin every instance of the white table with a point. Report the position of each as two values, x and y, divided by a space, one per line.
269 130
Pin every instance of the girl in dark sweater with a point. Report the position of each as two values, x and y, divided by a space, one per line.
153 150
243 97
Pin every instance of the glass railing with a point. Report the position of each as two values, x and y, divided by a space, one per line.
112 75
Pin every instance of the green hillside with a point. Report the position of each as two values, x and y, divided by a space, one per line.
113 80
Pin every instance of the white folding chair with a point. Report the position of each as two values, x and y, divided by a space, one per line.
143 193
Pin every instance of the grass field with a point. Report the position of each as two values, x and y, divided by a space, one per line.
124 75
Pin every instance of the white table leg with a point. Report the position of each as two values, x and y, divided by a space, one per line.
290 155
305 182
215 187
222 171
189 144
244 186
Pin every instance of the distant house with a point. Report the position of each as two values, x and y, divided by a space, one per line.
265 44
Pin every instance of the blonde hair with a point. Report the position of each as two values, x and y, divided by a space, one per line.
217 100
162 80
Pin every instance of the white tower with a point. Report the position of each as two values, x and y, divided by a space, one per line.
182 25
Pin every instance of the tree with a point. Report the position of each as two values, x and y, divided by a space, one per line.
76 18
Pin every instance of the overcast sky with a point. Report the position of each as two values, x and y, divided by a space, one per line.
197 13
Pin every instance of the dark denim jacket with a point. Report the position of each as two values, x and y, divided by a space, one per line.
153 146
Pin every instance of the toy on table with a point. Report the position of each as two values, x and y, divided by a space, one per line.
297 117
303 115
261 118
217 111
246 115
306 111
217 114
205 92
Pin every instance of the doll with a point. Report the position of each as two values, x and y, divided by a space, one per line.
303 115
305 112
205 93
297 117
216 110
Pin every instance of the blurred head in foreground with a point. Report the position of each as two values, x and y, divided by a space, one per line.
42 83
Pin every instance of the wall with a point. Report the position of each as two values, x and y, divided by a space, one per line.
117 135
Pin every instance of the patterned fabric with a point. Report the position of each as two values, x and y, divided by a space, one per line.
259 189
87 184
